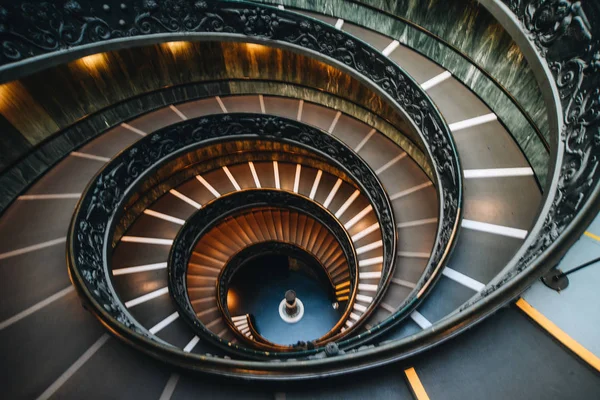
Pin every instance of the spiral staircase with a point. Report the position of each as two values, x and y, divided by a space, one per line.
410 170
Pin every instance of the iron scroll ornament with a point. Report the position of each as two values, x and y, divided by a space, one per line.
233 204
102 204
570 45
32 30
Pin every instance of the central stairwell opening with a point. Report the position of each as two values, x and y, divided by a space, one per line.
260 284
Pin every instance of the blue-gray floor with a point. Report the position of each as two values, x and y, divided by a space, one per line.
264 289
575 310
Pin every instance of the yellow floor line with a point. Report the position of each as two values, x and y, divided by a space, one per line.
415 384
591 235
559 334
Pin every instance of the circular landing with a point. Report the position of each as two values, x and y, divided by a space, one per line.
259 287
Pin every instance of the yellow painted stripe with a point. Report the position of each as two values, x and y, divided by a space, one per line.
343 291
415 384
344 298
559 334
591 235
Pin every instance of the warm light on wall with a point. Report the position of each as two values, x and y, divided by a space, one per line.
177 47
253 47
94 62
232 300
5 94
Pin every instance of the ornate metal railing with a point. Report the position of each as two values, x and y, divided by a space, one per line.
72 30
566 42
230 205
102 204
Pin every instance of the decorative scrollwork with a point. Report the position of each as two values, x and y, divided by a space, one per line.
563 35
101 206
35 29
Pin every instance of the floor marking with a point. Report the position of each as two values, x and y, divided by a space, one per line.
223 108
496 229
192 343
134 130
359 307
497 172
276 175
185 198
367 287
300 107
559 334
420 320
354 316
365 140
370 275
146 297
365 232
436 80
89 156
413 254
358 217
208 186
349 324
164 323
411 190
169 387
390 48
369 247
34 247
463 279
334 122
315 185
146 240
223 332
208 310
48 393
390 163
339 23
49 196
261 100
415 384
165 217
231 178
139 268
332 193
387 307
402 282
178 112
363 298
591 235
38 306
254 174
417 222
467 123
297 178
347 204
370 261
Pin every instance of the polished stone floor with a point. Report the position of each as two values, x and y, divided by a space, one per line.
576 309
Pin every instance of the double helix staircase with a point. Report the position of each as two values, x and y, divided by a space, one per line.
394 307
